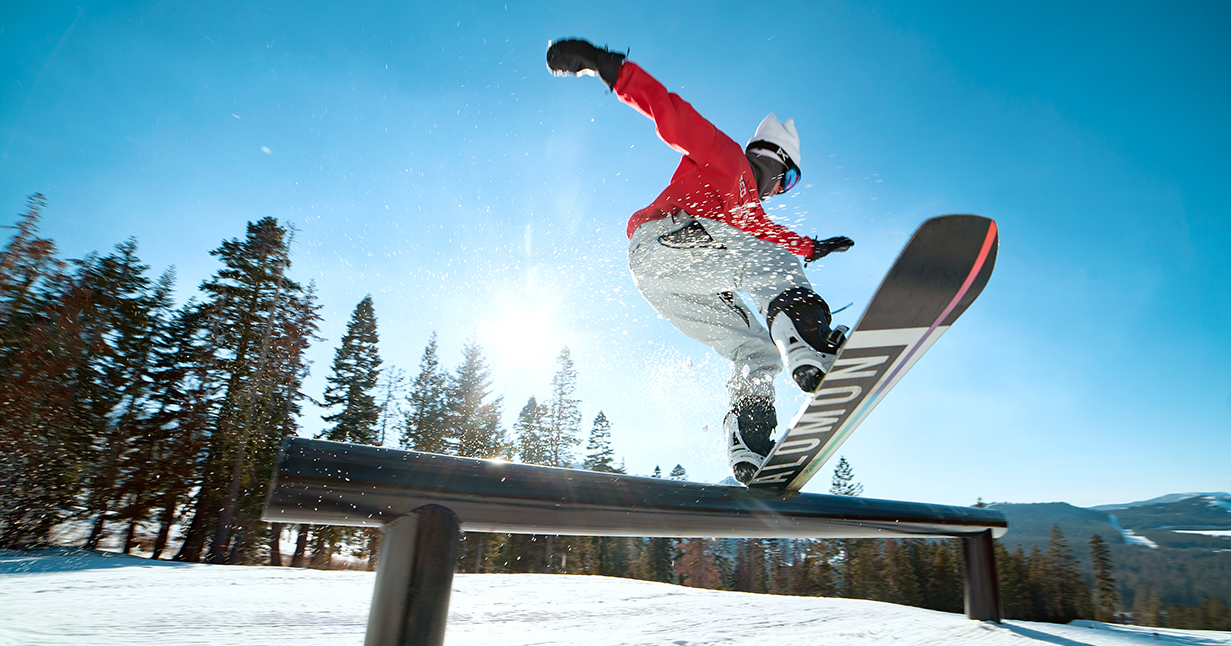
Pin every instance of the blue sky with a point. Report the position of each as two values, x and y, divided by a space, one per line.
428 158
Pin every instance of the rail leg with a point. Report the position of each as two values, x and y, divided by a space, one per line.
414 577
979 574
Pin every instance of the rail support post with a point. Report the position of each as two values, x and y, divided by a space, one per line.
414 577
979 572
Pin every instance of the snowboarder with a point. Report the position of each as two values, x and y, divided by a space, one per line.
707 237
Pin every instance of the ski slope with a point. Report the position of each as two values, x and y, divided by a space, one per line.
84 598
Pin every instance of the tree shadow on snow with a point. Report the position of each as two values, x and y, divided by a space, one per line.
1144 635
70 560
1042 636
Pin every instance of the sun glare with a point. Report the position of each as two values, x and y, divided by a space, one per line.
523 333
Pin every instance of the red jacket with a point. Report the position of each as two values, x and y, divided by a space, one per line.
714 180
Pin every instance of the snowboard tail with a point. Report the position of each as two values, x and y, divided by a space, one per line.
939 273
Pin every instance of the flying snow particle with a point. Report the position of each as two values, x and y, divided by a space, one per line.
266 150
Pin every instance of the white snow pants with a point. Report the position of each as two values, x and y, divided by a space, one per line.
689 270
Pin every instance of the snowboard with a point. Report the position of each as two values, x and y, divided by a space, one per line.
939 273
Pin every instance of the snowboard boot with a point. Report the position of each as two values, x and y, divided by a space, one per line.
748 428
799 325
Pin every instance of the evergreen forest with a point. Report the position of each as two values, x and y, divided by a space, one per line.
132 421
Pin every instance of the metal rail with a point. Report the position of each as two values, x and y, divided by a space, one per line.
330 483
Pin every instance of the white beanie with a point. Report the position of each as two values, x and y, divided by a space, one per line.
780 134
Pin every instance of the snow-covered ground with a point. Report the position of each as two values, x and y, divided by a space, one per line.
85 598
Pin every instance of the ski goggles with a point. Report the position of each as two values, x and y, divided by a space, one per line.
790 178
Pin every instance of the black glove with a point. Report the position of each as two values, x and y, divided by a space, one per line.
836 244
576 57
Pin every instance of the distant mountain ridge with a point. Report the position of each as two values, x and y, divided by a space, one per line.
1177 546
1171 497
1171 519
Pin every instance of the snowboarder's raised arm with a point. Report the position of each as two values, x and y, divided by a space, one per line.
676 122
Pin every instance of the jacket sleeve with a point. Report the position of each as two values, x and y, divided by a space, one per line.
676 122
770 231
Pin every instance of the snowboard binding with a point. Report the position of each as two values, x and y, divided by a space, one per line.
748 427
799 325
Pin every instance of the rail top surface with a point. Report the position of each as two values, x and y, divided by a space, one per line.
331 483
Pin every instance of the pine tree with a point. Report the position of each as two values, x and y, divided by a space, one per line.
389 391
611 552
563 421
1106 594
657 561
531 446
696 566
944 591
613 555
902 581
473 421
356 371
724 555
425 427
815 574
678 473
279 413
28 265
1065 591
749 574
1015 590
260 322
918 556
115 326
575 555
351 385
1148 608
40 345
599 455
781 567
843 484
156 464
843 477
864 570
1039 575
184 403
74 352
302 534
270 412
126 317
